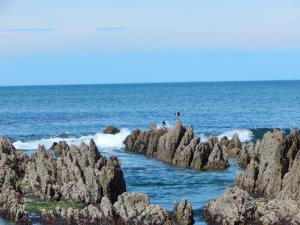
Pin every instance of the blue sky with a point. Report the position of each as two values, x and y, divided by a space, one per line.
95 41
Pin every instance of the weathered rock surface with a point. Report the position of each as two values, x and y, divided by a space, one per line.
273 173
235 206
12 165
81 175
179 147
78 175
135 209
111 130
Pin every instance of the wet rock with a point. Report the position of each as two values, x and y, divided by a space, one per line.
235 206
111 130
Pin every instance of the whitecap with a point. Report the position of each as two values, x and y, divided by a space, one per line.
102 141
244 134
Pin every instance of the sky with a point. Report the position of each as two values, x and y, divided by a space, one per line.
132 41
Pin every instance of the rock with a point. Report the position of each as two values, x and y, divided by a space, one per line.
90 215
111 130
247 153
201 155
131 139
80 175
60 147
212 141
183 157
182 213
169 142
276 154
135 209
217 159
233 147
178 147
274 174
153 142
235 206
224 142
234 142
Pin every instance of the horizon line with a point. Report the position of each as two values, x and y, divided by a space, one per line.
152 82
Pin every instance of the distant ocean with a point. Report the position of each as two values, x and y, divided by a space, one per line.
44 114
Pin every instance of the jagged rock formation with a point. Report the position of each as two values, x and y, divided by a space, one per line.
179 147
130 209
12 165
272 173
235 206
78 175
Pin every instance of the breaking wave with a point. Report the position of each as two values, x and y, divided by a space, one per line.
101 140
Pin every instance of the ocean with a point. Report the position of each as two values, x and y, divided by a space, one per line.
34 115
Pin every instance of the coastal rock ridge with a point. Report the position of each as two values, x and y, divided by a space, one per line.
268 192
75 185
180 147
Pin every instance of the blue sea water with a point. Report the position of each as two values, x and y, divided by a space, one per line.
44 114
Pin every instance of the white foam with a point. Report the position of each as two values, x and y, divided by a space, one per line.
101 140
244 134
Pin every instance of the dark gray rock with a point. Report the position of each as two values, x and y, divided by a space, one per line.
111 130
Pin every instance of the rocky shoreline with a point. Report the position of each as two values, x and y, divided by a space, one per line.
76 185
180 147
269 189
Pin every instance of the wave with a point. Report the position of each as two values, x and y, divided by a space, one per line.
102 141
245 135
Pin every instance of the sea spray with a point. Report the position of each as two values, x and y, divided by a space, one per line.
102 141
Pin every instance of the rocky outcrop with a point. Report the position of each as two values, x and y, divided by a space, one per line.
12 165
235 206
273 173
135 209
111 130
179 147
78 175
130 209
233 146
